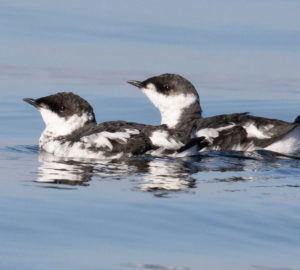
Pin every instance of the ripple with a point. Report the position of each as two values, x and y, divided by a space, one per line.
24 149
166 176
157 175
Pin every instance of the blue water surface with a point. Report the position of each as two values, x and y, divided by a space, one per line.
219 210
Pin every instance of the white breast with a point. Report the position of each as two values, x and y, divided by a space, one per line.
60 126
171 106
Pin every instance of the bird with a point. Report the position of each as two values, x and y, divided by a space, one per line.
179 104
71 131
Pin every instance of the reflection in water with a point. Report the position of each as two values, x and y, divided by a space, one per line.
168 175
153 174
60 171
163 176
231 166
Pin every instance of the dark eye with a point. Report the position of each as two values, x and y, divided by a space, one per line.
62 108
167 87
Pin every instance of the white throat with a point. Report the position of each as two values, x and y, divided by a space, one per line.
59 126
170 107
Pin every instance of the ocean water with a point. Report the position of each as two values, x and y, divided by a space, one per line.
220 210
216 211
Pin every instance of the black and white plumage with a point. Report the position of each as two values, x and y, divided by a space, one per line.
71 131
179 105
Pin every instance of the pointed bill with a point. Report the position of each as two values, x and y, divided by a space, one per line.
136 83
31 101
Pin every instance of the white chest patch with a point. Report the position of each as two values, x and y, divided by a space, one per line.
171 106
60 126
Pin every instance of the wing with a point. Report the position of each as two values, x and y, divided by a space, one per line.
228 131
112 138
126 137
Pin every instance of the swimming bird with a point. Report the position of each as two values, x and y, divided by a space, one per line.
178 102
71 131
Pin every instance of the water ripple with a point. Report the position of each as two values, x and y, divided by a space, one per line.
24 149
165 176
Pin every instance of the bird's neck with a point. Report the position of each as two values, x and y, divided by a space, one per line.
181 118
57 126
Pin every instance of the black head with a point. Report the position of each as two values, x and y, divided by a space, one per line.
167 84
64 105
174 96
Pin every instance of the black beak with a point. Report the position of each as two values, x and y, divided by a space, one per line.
136 83
31 101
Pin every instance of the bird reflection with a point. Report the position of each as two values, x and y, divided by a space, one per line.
61 171
165 175
160 176
157 175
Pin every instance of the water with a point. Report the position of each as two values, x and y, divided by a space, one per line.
220 210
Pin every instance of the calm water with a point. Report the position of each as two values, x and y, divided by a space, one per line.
218 211
221 210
